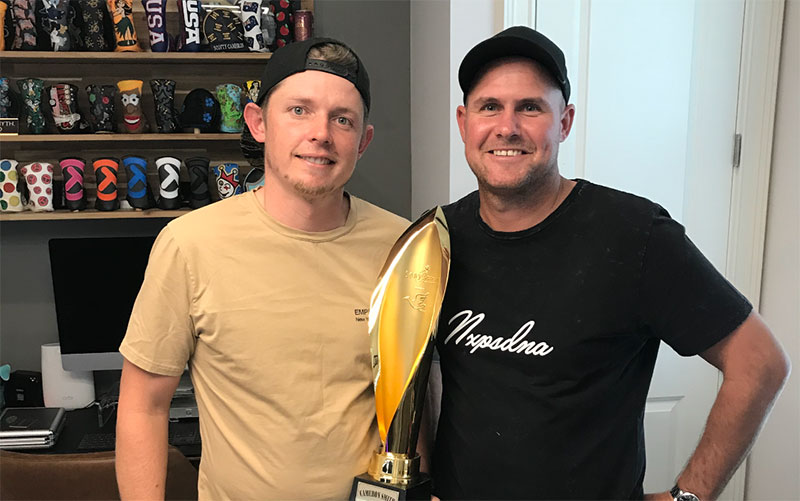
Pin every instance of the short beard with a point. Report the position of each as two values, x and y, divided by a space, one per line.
310 193
525 190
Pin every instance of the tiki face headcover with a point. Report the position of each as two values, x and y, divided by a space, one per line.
130 93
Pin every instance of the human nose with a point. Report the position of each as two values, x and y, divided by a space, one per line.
320 130
508 124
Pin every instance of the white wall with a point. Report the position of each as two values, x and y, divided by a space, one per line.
442 32
471 21
774 467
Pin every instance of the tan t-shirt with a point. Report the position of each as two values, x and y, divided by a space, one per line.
273 323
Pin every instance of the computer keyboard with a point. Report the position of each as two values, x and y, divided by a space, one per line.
186 432
97 442
181 433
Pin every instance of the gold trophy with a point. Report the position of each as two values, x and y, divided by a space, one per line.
403 316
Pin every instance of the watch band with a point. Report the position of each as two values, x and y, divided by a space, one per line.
679 494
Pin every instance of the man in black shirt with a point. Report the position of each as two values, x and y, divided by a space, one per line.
560 292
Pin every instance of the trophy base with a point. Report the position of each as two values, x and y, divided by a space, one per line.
366 488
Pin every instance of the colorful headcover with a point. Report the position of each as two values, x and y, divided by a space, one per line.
224 32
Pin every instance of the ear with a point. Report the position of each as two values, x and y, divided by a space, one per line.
461 118
254 116
567 119
366 138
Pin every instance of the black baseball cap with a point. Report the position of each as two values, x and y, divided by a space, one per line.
514 41
293 58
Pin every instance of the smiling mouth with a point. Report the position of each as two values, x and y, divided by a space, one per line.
316 160
132 120
508 153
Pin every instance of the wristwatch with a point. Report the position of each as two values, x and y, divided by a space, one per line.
680 495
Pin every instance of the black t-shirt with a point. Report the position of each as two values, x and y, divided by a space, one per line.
548 338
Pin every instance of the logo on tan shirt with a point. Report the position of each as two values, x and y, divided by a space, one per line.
361 314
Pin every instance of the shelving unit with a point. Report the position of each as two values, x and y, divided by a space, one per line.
44 139
134 57
63 215
189 70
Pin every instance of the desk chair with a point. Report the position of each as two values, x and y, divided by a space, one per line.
87 476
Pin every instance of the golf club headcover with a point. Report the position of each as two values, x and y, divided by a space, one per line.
252 150
198 176
3 11
223 30
57 24
230 103
32 89
105 173
124 32
227 177
23 13
169 179
72 170
251 90
64 107
130 94
156 13
5 96
94 38
101 107
250 13
200 110
164 96
75 26
39 179
254 179
139 195
10 195
284 22
189 12
268 28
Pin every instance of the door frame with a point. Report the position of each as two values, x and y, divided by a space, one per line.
755 119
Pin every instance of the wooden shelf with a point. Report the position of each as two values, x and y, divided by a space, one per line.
114 138
63 215
132 57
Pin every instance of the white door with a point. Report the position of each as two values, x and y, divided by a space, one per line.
655 84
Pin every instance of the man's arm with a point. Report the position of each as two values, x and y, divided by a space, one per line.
142 416
754 369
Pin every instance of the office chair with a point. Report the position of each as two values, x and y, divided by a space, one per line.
87 476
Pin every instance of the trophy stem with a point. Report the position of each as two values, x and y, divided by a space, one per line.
396 469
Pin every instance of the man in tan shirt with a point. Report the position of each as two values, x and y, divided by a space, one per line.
265 296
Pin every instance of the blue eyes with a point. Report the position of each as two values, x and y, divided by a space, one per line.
339 120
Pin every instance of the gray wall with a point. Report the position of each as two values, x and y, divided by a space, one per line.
377 30
430 104
27 313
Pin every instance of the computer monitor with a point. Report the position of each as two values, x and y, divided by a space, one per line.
95 283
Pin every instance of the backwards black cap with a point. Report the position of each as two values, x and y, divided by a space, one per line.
293 58
514 41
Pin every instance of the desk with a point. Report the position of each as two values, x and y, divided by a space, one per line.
79 422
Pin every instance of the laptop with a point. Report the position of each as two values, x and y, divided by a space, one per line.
30 427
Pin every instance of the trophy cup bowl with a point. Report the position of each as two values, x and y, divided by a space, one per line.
403 316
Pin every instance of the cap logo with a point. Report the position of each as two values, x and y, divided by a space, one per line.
329 67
